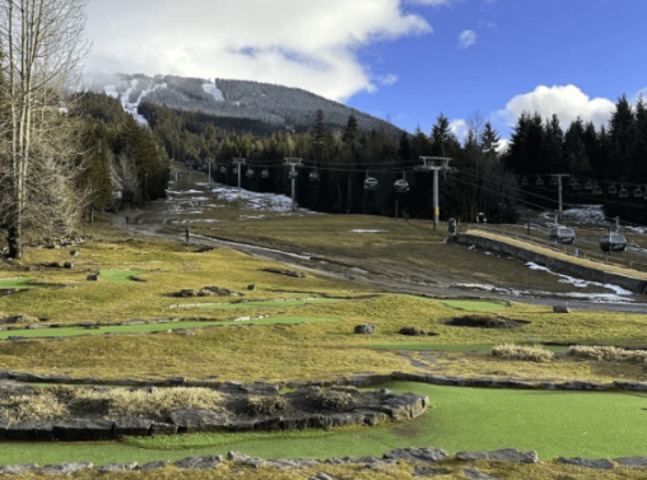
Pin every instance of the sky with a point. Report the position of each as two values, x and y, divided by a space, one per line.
406 61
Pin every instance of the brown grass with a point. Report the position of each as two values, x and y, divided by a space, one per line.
525 353
608 354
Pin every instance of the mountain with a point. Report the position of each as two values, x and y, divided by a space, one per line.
235 101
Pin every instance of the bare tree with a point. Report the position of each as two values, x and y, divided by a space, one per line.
41 45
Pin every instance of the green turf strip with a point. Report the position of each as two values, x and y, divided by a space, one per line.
120 275
554 423
23 283
261 304
476 305
157 327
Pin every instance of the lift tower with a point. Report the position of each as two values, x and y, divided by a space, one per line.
435 164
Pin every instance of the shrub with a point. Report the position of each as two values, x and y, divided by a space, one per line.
517 352
608 354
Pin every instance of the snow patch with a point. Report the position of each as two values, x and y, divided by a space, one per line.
363 230
214 91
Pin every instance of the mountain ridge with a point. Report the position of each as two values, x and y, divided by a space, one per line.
277 106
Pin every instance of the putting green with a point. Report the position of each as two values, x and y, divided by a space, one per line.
157 327
21 283
554 423
476 305
120 275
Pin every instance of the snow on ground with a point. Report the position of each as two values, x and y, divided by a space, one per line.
617 295
124 97
363 230
212 89
254 200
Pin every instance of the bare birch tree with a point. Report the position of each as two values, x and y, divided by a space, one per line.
41 45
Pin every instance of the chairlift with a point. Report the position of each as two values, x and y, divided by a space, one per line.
597 190
573 181
638 192
623 192
293 174
401 185
370 183
554 181
265 173
612 189
235 170
539 181
314 176
588 185
524 182
576 185
223 170
250 172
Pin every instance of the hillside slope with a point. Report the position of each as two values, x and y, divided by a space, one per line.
278 106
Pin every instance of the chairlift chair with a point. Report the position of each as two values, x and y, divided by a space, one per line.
293 174
554 181
597 190
623 192
250 172
539 181
235 170
223 170
370 183
401 185
588 185
265 173
612 189
638 192
524 182
314 176
576 185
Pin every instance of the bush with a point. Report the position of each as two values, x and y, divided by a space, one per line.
608 354
517 352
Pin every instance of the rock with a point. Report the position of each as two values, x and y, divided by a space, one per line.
599 464
251 287
503 455
74 253
193 419
477 474
430 472
321 476
243 459
637 462
68 265
561 309
117 467
153 466
132 426
412 331
65 468
200 463
93 277
365 329
17 469
426 455
215 291
83 429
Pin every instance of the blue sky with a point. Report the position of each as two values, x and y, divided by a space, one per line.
403 60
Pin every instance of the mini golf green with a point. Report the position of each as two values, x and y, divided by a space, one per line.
476 305
554 423
157 327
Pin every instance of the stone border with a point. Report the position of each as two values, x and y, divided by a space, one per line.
360 381
419 457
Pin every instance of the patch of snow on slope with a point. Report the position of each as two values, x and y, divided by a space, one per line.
212 89
124 97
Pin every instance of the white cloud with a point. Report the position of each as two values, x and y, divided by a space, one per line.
467 38
308 44
433 3
567 102
390 79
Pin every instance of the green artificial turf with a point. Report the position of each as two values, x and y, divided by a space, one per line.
554 423
157 327
120 275
476 305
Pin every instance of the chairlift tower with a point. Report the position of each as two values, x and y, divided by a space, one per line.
239 162
293 163
435 164
559 177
